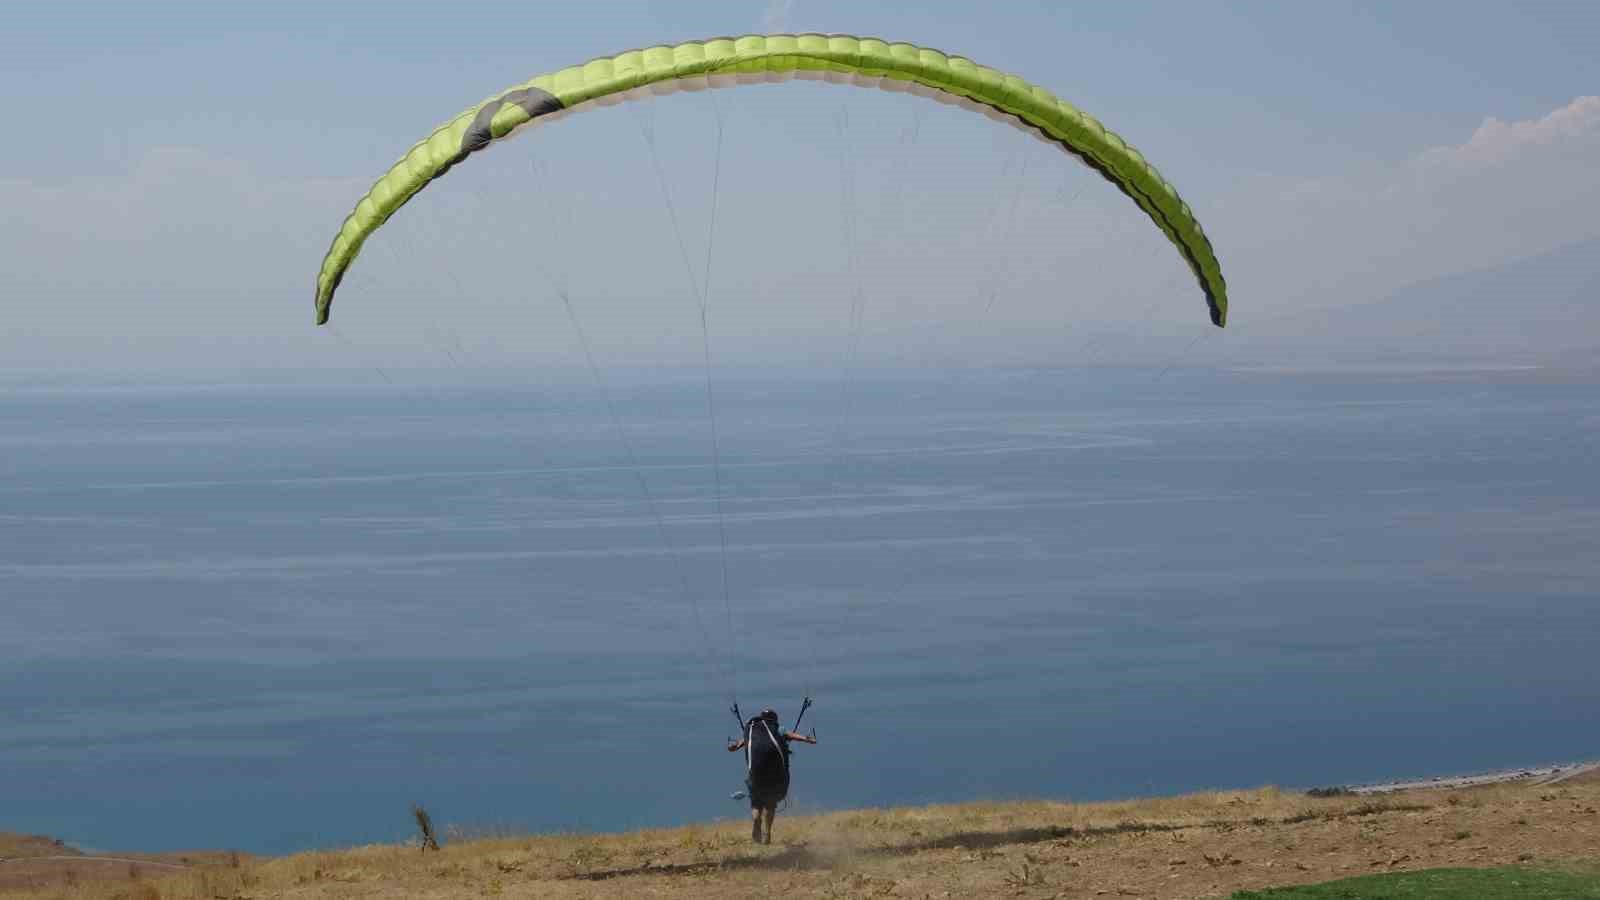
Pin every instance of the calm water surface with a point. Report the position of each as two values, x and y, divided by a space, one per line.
273 617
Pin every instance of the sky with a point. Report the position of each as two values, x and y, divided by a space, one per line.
172 174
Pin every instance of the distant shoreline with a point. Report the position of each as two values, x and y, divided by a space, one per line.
1547 774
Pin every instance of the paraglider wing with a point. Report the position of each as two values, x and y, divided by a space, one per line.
726 62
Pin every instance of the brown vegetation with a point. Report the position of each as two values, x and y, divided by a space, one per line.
12 844
1203 845
30 863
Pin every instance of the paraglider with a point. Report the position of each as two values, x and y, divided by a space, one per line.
728 62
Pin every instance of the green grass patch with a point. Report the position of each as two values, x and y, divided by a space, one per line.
1509 883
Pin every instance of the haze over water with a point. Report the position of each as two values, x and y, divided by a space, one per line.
273 617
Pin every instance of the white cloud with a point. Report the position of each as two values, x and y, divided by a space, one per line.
1510 190
181 244
1497 140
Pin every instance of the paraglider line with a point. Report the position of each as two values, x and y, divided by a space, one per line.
1175 360
351 344
559 286
633 463
995 273
701 293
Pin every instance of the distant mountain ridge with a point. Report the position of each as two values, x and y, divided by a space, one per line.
1539 309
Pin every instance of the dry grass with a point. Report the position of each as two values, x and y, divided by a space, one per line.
1202 845
13 844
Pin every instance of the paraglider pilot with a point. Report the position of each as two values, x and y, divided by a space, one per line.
766 755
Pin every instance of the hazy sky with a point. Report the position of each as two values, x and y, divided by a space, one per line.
173 172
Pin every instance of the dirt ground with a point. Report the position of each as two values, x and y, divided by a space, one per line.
1198 846
29 861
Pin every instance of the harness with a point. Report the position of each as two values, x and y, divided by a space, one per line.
747 727
782 745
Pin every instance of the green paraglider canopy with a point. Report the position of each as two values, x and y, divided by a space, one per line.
727 62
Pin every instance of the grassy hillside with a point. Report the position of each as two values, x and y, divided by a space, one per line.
1508 883
12 844
1204 845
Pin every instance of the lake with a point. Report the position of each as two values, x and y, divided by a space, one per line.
272 616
